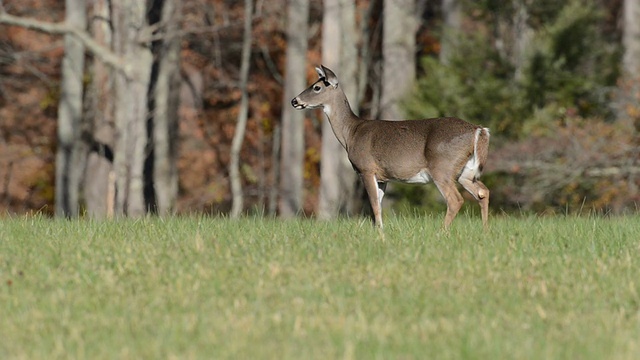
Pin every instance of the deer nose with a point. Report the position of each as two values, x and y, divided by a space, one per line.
294 102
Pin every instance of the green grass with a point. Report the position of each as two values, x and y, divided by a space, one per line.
199 287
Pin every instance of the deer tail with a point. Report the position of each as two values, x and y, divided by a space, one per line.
481 148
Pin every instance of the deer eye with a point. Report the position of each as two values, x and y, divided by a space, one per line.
316 88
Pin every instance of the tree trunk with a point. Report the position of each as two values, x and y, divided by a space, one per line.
451 16
398 57
68 157
292 153
165 92
523 34
339 53
97 189
398 52
131 106
631 38
238 138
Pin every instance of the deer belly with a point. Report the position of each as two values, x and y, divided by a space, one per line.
421 177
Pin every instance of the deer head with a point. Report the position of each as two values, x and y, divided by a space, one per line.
319 93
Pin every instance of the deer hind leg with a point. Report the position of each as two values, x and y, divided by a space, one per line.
453 199
484 202
480 192
375 191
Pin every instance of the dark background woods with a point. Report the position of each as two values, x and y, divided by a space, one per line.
557 82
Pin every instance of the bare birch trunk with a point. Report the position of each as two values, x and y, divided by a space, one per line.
98 192
68 158
131 107
451 17
631 67
292 153
238 138
631 38
523 35
630 86
339 53
398 58
165 112
398 51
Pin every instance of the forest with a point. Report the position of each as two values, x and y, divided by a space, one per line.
127 108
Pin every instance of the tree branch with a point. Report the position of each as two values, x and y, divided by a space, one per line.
103 53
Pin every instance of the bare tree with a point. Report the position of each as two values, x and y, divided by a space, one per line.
398 56
68 157
129 18
339 52
99 177
451 21
630 86
292 153
631 38
238 137
166 86
399 49
125 49
523 35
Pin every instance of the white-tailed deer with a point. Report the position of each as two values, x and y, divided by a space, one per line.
441 150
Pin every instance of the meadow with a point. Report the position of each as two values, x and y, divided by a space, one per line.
212 288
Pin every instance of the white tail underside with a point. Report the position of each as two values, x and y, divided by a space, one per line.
472 167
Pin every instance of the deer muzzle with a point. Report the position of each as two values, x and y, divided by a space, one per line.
297 104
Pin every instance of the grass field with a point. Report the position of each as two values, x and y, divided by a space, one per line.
199 287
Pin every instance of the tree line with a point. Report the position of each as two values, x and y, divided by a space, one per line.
144 87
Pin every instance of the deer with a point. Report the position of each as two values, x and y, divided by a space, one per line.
439 150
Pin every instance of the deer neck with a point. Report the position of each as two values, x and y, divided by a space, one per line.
341 117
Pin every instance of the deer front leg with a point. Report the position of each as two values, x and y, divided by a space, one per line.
375 193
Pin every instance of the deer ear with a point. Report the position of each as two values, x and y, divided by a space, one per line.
320 71
330 76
